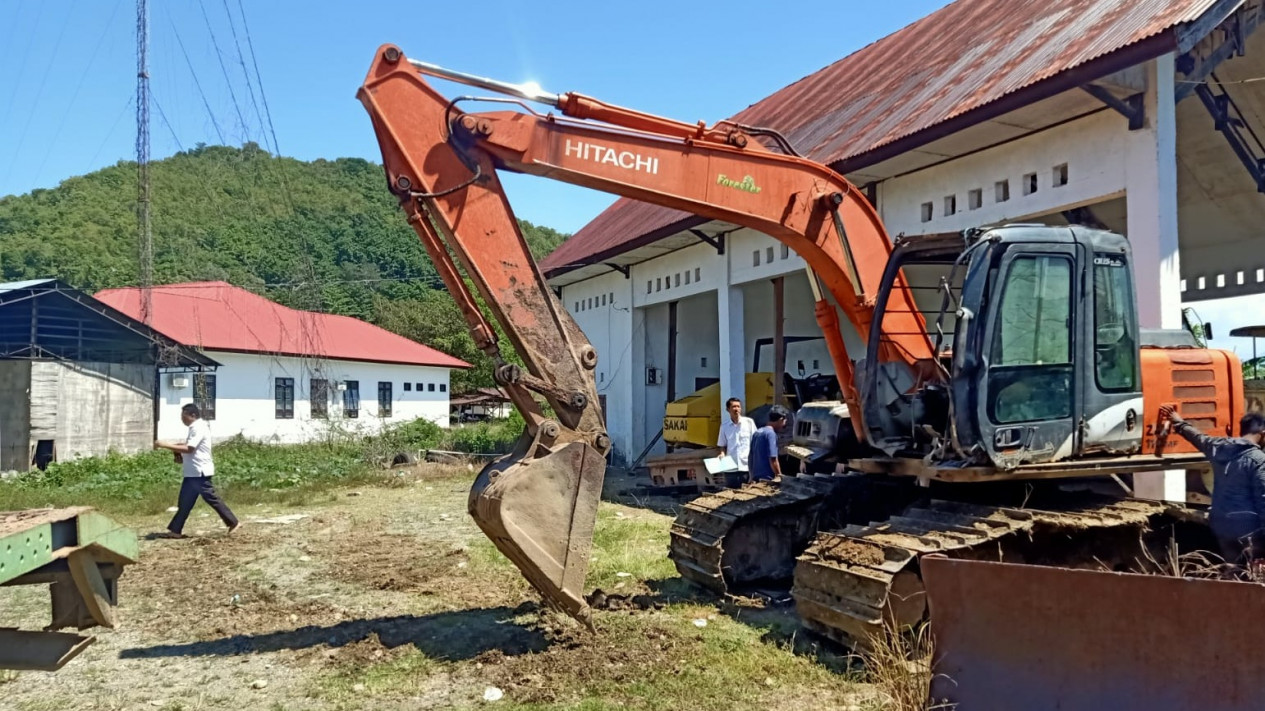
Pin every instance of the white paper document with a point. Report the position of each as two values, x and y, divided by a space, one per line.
717 465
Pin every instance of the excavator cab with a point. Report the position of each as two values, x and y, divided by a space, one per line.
1038 333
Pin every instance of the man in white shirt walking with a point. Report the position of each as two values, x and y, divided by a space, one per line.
195 459
735 439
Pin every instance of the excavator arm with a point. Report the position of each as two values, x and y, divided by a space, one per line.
538 504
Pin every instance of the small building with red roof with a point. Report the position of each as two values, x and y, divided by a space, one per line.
287 375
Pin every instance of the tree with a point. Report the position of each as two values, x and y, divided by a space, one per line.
324 235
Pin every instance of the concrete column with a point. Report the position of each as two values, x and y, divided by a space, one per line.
733 380
622 375
1151 197
637 383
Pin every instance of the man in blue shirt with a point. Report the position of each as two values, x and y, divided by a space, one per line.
763 462
1237 517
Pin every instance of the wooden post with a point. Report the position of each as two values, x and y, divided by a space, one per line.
779 339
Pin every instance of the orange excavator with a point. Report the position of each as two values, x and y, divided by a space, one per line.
1000 400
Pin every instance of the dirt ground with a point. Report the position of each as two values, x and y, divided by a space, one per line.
389 597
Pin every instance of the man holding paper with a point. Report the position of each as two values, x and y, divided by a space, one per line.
734 441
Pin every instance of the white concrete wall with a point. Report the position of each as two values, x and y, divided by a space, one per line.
245 398
1093 148
1101 159
603 309
654 398
685 272
758 317
698 338
631 340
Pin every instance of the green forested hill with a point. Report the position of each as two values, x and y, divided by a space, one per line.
321 235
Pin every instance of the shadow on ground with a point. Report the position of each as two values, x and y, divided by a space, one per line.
768 609
450 636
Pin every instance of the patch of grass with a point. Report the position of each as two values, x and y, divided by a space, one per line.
247 472
630 541
649 660
585 705
724 665
483 437
404 673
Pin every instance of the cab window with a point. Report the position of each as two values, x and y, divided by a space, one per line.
1115 353
1030 377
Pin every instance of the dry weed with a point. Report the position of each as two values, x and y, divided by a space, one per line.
899 665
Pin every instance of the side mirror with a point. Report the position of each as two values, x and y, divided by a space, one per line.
1207 331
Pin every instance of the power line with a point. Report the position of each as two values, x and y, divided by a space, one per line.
113 127
232 94
39 93
259 79
218 133
167 123
8 36
105 30
20 74
246 74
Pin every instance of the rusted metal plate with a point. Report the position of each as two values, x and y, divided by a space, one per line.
957 59
12 522
1028 637
39 651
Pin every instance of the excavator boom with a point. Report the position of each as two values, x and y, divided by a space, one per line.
538 504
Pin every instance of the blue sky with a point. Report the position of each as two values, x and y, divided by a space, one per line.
68 71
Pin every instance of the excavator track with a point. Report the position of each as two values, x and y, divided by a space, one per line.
748 534
752 534
848 582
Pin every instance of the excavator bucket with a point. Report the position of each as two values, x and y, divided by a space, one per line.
540 513
1035 638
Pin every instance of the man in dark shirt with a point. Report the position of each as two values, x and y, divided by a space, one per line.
1238 488
763 462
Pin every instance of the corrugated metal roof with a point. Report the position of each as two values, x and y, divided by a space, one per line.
37 334
960 58
19 285
219 316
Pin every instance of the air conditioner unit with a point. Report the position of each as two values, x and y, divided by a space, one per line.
179 381
341 386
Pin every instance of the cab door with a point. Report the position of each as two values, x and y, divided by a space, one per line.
1111 386
1028 409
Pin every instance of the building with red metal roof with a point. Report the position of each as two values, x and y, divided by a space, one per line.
287 375
873 113
1142 116
217 316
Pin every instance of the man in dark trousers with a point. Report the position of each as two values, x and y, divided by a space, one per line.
763 462
1238 488
194 454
